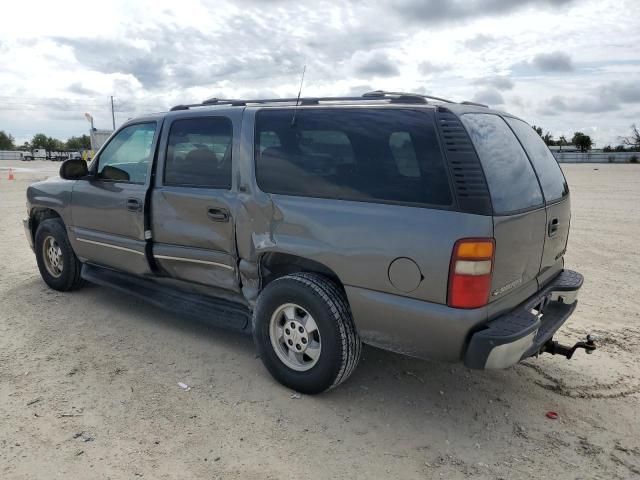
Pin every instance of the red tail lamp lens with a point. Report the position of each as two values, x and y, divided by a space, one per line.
470 273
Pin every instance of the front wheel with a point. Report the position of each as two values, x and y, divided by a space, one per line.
305 334
57 262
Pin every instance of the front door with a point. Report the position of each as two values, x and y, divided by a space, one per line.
192 204
108 210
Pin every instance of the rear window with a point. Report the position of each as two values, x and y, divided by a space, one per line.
551 178
512 182
376 155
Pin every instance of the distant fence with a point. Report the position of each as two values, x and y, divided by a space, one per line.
597 157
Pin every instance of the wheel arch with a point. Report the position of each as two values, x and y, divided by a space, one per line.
39 215
273 265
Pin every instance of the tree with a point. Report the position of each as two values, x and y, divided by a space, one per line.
39 140
607 149
538 130
79 143
562 141
548 138
582 141
54 145
634 140
6 141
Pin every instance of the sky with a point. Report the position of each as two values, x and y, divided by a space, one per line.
566 65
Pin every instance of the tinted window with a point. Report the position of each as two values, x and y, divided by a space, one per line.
269 139
512 182
126 157
384 155
404 154
199 153
551 178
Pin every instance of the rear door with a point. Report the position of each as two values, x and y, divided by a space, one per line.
556 194
519 212
192 204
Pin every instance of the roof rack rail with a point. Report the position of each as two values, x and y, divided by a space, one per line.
258 101
393 97
467 102
386 94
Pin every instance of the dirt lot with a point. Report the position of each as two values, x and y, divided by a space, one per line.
88 381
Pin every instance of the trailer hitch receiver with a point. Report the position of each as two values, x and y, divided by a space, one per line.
556 348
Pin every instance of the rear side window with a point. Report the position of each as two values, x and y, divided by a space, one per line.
404 154
512 182
551 178
375 155
199 153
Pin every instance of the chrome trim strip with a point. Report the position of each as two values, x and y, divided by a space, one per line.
193 260
93 242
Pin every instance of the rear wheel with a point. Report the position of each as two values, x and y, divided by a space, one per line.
305 334
58 264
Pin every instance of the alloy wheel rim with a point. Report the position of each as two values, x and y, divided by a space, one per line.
52 255
295 337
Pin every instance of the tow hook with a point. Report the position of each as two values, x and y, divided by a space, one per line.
556 348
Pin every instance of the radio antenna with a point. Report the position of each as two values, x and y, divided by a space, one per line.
295 110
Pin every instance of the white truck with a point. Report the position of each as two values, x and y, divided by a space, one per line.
36 154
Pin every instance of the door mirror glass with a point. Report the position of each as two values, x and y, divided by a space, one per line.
73 169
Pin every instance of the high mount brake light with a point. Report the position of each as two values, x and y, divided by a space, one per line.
471 272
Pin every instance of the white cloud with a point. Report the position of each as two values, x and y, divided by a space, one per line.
489 96
522 55
553 62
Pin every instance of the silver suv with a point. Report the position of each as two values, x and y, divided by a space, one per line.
427 227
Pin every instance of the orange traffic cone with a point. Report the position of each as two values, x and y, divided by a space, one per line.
11 177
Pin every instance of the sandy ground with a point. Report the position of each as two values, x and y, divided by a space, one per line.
88 381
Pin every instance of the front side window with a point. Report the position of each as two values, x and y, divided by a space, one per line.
363 154
126 157
551 177
199 153
512 182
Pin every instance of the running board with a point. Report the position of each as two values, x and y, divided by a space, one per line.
212 311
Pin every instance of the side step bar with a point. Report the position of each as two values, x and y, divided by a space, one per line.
212 311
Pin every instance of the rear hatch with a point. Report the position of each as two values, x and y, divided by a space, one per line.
556 195
530 203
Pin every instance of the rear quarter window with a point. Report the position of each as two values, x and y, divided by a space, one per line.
554 185
512 182
373 155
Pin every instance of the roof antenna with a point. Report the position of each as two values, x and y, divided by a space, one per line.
295 110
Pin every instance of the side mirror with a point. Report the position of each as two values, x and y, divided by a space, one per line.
73 169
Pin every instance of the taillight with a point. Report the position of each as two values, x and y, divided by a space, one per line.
470 272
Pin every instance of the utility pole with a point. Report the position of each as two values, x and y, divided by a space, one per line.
113 115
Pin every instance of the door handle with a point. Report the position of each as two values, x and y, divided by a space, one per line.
134 205
218 214
553 227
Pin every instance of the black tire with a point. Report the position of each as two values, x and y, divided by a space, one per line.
327 304
69 277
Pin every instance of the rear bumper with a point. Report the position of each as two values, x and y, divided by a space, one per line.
523 331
